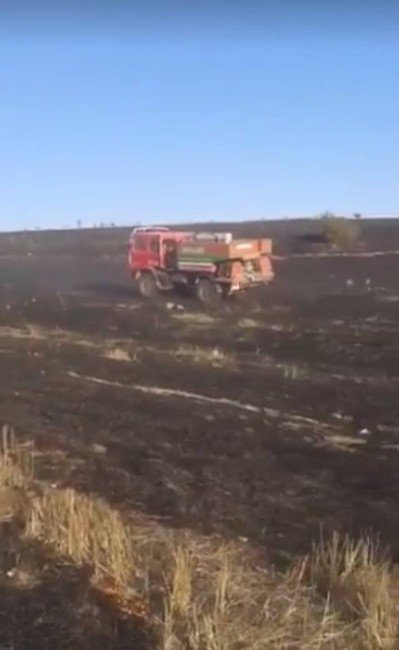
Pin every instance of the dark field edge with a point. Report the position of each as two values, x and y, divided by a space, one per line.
376 234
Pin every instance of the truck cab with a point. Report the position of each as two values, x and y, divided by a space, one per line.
154 248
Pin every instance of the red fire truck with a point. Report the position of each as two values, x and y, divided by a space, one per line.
210 265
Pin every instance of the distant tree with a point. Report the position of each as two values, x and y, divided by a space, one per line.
341 233
327 215
357 215
78 223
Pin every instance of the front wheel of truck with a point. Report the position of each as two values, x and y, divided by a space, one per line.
147 285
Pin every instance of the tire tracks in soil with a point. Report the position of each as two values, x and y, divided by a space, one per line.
285 418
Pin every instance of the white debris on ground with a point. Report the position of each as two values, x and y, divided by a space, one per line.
172 306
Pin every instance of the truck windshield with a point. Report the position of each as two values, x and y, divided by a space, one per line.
139 243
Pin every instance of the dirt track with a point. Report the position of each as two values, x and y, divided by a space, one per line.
315 357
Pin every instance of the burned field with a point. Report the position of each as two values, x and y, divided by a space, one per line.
316 356
267 422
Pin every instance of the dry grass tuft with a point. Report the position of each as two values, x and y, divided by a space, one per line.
218 602
206 355
180 595
249 323
356 577
16 461
85 530
293 371
39 333
194 318
28 332
118 353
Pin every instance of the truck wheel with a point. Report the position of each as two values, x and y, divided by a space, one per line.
146 285
207 293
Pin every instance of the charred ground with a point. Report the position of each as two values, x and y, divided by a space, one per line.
311 363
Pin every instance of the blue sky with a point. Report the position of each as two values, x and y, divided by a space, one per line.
165 111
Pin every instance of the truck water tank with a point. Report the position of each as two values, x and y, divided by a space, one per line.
221 237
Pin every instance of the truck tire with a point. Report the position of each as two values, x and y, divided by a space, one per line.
147 285
207 293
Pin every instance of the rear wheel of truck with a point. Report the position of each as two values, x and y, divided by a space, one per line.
146 285
207 293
